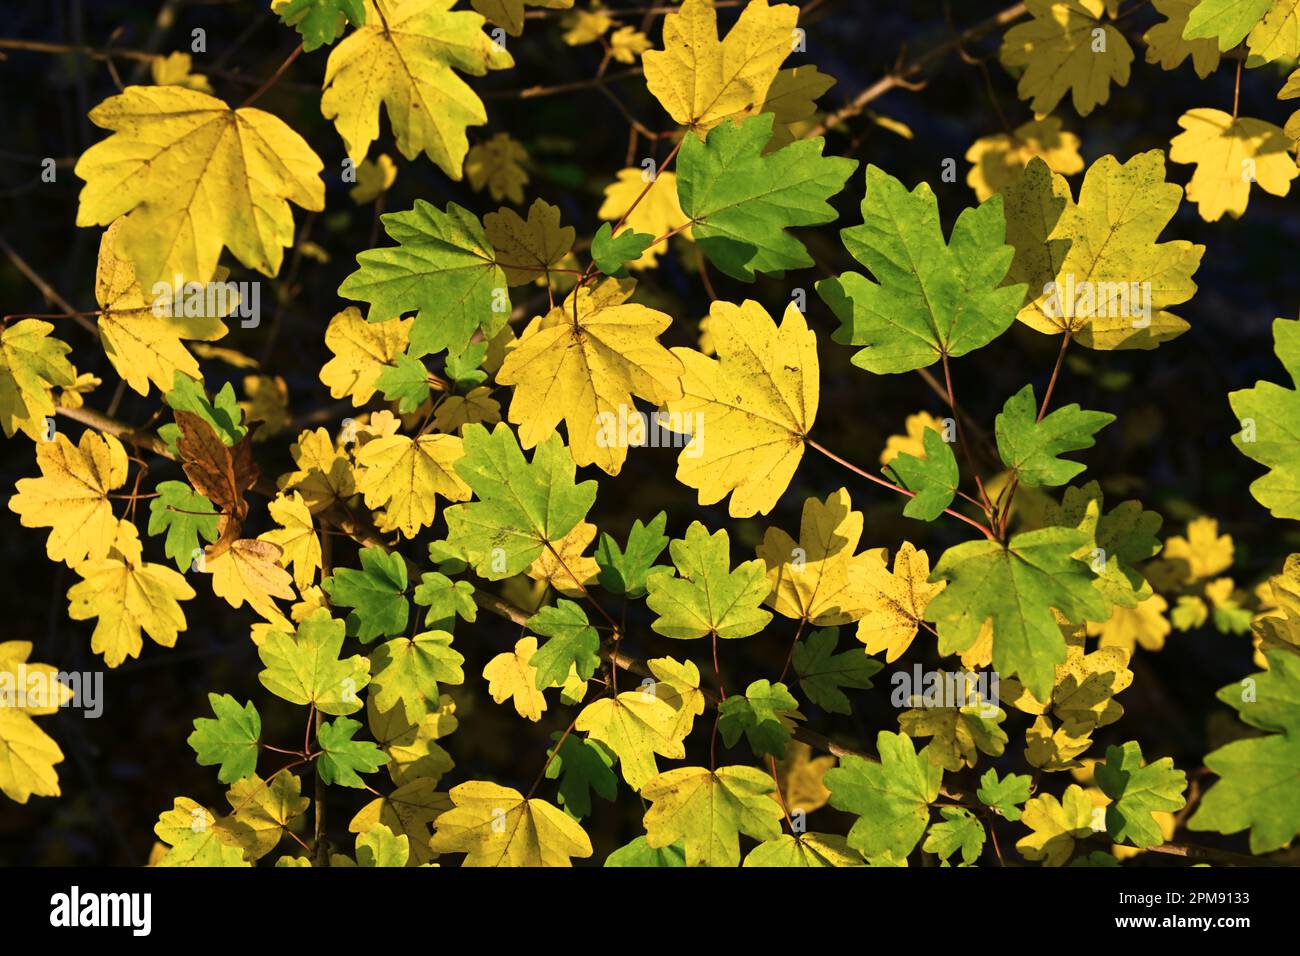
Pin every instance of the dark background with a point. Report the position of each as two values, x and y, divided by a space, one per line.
1170 447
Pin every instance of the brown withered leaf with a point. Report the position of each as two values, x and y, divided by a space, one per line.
220 472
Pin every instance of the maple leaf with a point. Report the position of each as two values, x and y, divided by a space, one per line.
1230 153
638 853
250 571
522 508
1016 585
896 601
612 256
219 472
407 811
933 476
1081 260
741 201
404 476
999 160
127 596
565 567
1061 51
305 667
932 298
377 592
656 212
707 810
583 363
706 596
1268 413
325 474
1031 446
172 151
635 726
749 410
1166 45
232 739
221 413
1005 796
822 672
764 715
1126 536
804 849
1139 790
819 579
960 733
343 759
407 671
143 337
296 537
511 676
197 837
624 570
527 249
792 100
497 826
362 351
891 799
960 830
319 22
573 643
510 13
1127 628
1056 825
444 269
1268 27
30 364
701 80
379 846
498 164
71 495
405 58
27 753
583 767
678 685
263 811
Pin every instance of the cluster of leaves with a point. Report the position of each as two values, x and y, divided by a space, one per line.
461 503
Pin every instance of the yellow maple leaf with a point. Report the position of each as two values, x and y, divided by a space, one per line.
585 26
818 578
677 684
511 676
628 43
509 14
496 826
583 363
528 248
457 411
701 80
498 164
404 476
297 539
1094 267
657 214
896 601
174 70
405 58
71 495
912 441
324 473
1230 153
1165 43
998 160
267 403
566 567
127 595
748 411
172 151
1127 628
31 362
1065 48
801 776
792 98
362 350
27 754
251 571
374 178
406 811
1056 825
1202 553
635 725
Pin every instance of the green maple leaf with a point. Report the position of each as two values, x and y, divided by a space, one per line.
624 570
960 830
822 672
741 200
231 740
763 716
379 846
891 799
376 592
321 22
707 810
930 298
186 516
707 597
443 269
1017 585
804 850
611 253
1032 448
522 508
342 758
221 412
640 854
1270 421
1126 536
446 600
573 643
934 478
1227 20
465 370
583 767
1259 785
304 668
1006 795
407 671
1138 790
406 382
